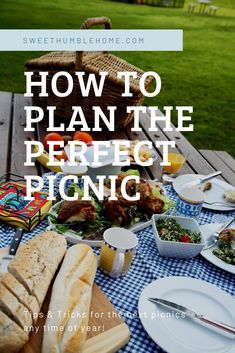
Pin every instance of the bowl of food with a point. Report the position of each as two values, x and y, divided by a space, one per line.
178 237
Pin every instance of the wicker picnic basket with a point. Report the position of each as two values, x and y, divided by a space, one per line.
89 62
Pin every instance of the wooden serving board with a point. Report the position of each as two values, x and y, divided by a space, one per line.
108 332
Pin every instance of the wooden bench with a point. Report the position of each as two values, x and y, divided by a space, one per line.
213 9
12 137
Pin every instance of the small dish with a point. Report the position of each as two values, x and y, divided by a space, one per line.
177 249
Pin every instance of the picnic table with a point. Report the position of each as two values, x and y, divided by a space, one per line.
12 137
203 5
148 265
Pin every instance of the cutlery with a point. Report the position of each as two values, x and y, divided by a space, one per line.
12 250
220 203
214 237
201 180
219 327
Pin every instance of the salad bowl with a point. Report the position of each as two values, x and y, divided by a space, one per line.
178 247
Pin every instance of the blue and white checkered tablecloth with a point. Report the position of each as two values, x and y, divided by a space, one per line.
147 266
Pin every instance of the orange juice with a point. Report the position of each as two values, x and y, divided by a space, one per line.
177 162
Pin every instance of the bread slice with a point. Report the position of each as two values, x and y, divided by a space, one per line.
16 288
11 306
35 278
71 308
12 337
35 264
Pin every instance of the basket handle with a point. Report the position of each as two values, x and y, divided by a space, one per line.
88 23
94 21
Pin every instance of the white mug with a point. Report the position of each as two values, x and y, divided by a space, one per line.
117 251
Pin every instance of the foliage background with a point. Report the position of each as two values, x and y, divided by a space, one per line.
203 75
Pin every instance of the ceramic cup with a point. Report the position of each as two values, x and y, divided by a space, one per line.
117 251
189 203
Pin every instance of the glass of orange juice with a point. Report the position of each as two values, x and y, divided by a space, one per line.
177 161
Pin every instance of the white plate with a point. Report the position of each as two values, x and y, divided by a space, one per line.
207 230
215 194
178 335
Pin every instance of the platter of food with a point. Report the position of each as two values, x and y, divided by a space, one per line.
85 221
222 254
220 196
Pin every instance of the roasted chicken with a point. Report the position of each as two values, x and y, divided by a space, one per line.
119 212
227 235
76 211
122 211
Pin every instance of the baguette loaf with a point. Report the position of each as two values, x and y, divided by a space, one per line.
70 302
12 337
47 248
35 263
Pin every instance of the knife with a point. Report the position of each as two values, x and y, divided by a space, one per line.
12 250
214 237
202 179
219 327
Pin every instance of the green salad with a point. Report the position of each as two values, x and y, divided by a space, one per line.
226 253
170 230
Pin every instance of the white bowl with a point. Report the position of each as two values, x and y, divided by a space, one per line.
174 248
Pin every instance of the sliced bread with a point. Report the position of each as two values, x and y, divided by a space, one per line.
12 337
16 288
11 306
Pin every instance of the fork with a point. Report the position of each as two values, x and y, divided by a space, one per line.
219 203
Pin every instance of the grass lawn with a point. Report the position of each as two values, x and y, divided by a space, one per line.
203 75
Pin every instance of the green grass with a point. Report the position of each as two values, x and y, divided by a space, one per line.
203 75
